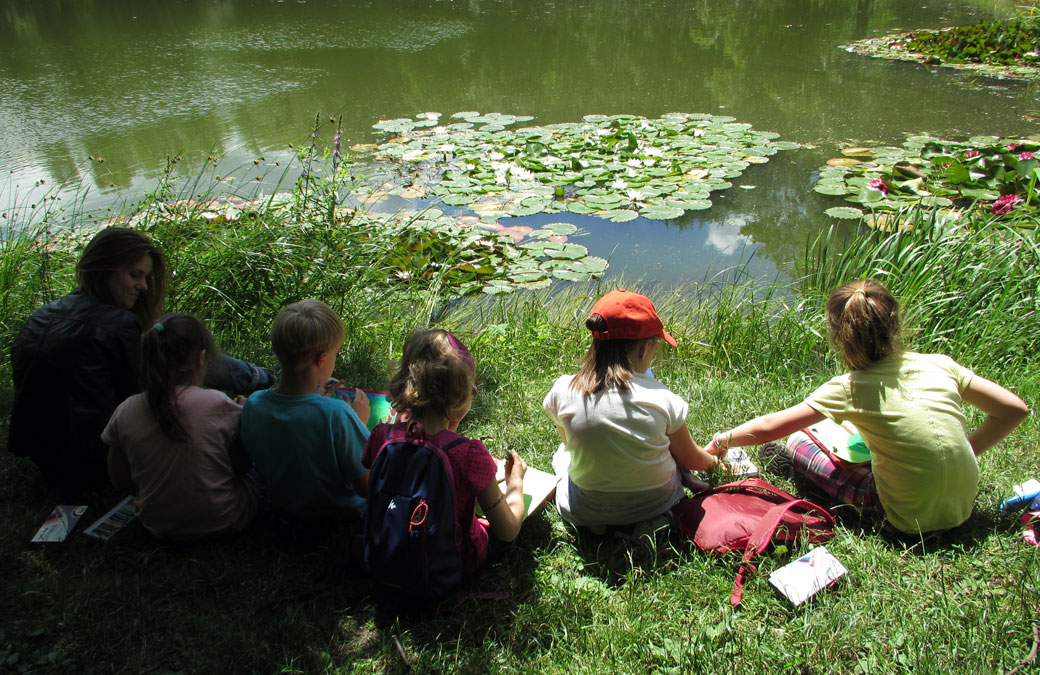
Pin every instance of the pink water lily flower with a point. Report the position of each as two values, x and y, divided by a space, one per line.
1027 155
971 154
878 184
1004 204
1012 146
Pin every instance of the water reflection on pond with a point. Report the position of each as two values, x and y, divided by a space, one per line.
132 83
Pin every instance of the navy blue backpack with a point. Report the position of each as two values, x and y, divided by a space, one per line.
412 542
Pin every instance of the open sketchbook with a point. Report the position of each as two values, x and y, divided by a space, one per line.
539 487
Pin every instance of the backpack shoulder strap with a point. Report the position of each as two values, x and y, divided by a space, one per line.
750 485
763 534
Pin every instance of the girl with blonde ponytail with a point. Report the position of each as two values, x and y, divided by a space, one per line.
923 473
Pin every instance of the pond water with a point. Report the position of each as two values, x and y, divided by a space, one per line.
132 83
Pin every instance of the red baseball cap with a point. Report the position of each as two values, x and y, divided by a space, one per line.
629 316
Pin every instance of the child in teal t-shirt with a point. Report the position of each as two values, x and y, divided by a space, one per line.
307 444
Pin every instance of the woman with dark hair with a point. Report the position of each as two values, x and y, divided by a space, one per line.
78 357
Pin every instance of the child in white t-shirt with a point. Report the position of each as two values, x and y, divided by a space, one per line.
624 433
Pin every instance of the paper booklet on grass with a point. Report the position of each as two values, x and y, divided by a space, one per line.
60 523
739 464
539 487
803 578
113 521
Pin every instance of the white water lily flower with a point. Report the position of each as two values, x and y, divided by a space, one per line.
520 172
649 162
439 130
619 184
446 147
635 163
496 155
698 132
429 116
602 132
635 195
654 151
631 173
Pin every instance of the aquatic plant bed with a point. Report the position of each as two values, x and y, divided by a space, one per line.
618 167
993 174
1001 49
425 247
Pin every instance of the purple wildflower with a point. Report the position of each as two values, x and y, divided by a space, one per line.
1004 204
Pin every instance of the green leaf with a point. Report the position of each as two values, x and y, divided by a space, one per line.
844 212
580 207
620 215
561 228
829 188
661 213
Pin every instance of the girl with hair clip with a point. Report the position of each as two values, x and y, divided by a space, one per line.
175 446
433 390
624 433
923 474
78 357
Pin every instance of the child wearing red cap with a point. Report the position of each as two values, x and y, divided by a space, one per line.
624 433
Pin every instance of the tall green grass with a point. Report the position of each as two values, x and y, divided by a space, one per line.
971 290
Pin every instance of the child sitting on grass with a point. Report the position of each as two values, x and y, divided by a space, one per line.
175 446
624 433
432 391
923 474
306 445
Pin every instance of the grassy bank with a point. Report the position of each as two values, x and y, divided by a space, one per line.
283 599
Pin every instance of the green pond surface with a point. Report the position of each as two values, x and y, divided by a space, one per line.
131 83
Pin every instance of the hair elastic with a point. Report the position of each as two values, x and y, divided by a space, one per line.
860 291
159 328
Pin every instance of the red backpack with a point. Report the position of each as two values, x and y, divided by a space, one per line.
747 516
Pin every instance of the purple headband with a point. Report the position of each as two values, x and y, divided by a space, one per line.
464 356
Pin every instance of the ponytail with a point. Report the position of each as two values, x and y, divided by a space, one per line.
170 350
607 364
864 323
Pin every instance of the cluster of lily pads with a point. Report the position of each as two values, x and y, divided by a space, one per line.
995 49
618 167
431 245
998 175
999 42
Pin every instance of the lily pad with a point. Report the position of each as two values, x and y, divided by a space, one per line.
619 215
661 213
844 212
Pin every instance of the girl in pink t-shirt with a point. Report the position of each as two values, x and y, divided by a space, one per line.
432 391
174 447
